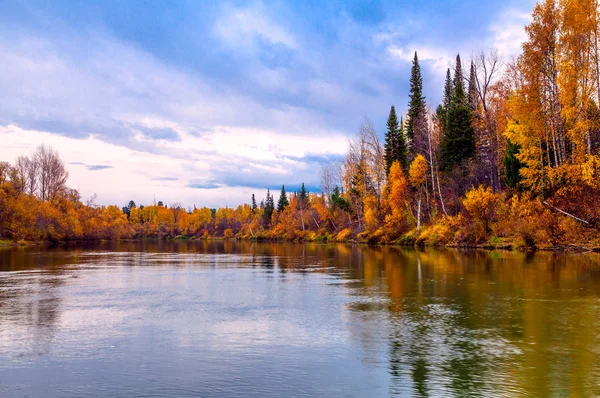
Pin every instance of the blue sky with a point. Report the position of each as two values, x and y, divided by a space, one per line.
208 102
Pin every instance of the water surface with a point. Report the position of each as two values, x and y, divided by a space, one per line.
221 319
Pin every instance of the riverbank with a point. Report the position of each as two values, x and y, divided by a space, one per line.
406 241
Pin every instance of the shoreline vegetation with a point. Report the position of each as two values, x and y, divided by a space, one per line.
510 159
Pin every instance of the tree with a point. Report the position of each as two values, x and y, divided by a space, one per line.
395 143
254 204
51 173
268 209
512 165
283 200
303 196
418 177
458 144
416 105
473 94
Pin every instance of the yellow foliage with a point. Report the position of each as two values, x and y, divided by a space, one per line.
418 171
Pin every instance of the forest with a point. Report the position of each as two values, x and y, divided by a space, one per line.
510 158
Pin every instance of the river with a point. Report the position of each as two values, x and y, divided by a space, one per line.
225 319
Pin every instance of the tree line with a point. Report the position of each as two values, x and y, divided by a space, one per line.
509 157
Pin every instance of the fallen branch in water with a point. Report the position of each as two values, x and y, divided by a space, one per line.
582 247
565 213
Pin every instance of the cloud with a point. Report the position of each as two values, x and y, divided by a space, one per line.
247 96
164 179
246 28
95 167
508 31
203 185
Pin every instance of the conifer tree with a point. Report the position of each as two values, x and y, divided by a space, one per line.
303 196
283 200
253 203
473 94
269 207
416 105
401 148
458 84
391 137
458 143
512 165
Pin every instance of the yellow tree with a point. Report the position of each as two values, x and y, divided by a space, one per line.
418 176
395 198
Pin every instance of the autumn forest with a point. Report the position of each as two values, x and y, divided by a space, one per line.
510 158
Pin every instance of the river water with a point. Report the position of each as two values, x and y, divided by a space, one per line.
227 319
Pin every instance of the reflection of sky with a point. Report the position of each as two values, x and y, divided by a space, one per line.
223 98
220 318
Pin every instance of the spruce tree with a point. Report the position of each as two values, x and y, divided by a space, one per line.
416 105
458 143
391 136
473 93
283 200
269 207
303 196
448 90
253 203
458 84
512 165
401 149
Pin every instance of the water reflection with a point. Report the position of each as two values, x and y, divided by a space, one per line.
419 323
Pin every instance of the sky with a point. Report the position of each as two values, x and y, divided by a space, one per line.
205 103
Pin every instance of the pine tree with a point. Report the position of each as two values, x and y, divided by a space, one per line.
253 203
442 109
303 196
416 105
459 96
473 94
512 165
269 207
458 143
283 200
401 149
448 89
391 136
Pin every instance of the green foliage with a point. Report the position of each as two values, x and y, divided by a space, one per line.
395 143
416 105
458 141
458 144
337 201
512 165
269 207
283 200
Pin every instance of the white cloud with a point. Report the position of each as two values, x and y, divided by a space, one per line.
241 27
508 32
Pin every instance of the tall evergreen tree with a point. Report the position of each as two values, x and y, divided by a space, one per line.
416 105
253 203
473 93
442 109
303 196
458 83
458 142
512 165
269 207
448 90
401 148
395 143
283 200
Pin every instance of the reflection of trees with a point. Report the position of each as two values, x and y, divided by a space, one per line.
468 323
462 323
30 303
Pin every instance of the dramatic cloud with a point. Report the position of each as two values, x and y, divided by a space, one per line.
207 103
